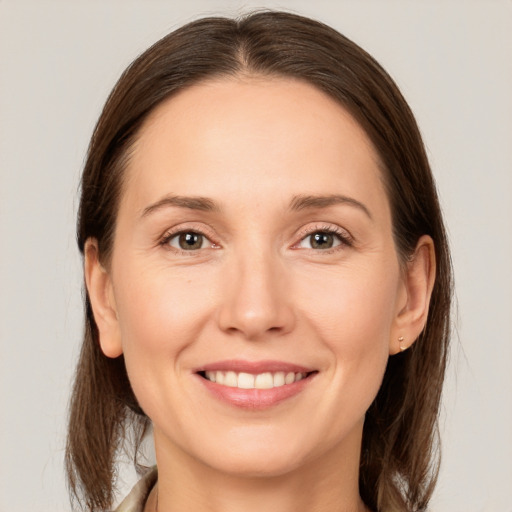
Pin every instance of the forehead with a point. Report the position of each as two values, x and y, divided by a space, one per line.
262 134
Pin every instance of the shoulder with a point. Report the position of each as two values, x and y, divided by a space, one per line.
138 496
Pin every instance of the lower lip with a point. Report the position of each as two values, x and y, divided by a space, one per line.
255 399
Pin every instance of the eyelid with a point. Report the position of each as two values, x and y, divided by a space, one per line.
345 237
188 227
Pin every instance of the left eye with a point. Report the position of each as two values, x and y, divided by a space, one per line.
188 241
320 240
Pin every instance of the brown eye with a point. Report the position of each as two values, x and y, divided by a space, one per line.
187 241
321 240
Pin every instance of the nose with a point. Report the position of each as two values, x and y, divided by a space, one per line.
257 300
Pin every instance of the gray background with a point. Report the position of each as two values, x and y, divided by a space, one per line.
58 61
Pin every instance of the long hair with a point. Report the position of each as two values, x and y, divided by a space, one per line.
399 457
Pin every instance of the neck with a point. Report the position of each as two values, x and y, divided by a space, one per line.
327 484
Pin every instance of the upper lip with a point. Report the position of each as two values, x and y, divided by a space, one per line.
254 367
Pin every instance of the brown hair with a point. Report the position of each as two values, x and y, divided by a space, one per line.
399 458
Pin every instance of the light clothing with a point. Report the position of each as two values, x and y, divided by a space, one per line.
136 500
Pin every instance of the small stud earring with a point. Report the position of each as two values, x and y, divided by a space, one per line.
400 340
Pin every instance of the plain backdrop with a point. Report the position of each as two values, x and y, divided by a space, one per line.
58 61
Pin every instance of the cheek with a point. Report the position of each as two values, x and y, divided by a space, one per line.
353 308
159 313
353 319
354 322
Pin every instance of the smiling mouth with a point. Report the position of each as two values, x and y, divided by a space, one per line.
255 385
243 380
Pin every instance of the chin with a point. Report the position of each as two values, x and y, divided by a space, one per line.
258 465
256 454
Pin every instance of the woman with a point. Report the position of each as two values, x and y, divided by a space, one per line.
268 278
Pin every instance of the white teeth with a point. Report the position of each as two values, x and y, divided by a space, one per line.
278 379
264 381
231 380
244 380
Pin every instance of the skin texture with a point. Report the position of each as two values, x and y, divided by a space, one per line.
255 290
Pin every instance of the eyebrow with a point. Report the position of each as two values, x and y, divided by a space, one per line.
190 202
303 202
298 203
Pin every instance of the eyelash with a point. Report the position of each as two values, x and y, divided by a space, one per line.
169 235
343 236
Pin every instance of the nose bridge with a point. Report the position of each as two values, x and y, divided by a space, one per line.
256 300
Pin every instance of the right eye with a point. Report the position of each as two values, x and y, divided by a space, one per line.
188 241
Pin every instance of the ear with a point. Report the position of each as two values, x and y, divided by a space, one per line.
101 296
417 284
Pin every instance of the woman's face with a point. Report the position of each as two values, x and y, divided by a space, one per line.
254 283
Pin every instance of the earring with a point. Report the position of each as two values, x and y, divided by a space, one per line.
400 340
